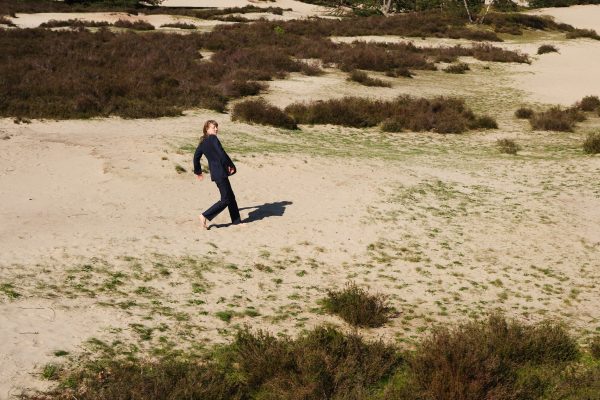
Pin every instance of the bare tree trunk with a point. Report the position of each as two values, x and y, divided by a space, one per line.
486 11
468 12
385 6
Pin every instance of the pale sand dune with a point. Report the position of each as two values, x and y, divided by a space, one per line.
444 225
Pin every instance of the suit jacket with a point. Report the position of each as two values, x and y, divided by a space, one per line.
218 160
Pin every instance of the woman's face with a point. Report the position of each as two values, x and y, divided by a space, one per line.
212 129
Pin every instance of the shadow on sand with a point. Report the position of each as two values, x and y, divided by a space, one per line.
263 211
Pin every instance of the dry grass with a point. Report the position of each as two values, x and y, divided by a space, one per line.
508 146
592 143
357 307
364 79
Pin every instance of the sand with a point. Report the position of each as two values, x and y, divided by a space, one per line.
99 236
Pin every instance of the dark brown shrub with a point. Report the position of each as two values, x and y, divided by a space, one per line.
508 146
592 143
589 103
459 68
241 88
138 25
547 48
74 23
357 307
479 360
362 78
583 33
6 21
490 53
179 25
260 112
556 119
310 68
524 113
443 115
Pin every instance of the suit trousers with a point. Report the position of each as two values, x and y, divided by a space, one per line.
227 201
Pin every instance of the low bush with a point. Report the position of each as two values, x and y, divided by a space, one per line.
556 119
480 360
508 146
524 113
364 79
6 21
260 112
589 103
442 115
76 23
583 33
138 25
547 48
219 13
179 25
592 143
310 68
459 68
357 307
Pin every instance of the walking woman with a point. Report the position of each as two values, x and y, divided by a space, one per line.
221 167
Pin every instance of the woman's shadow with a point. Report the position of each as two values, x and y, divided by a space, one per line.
263 211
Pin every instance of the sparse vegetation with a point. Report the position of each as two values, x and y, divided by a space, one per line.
508 146
592 143
362 78
357 307
260 112
595 347
547 48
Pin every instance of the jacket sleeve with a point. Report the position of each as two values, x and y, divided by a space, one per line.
223 157
197 156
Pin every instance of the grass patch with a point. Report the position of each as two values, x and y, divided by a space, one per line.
357 307
508 146
9 290
591 145
364 79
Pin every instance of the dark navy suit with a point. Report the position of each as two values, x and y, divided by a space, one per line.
218 163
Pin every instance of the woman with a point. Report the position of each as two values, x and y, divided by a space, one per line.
221 167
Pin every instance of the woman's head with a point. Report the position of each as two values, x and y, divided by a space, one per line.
208 124
210 128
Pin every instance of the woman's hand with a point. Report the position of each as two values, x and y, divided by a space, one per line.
231 170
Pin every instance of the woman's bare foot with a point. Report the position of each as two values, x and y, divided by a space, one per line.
203 221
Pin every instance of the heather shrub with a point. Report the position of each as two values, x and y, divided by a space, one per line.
508 146
589 103
524 113
310 68
357 307
556 119
592 143
138 25
547 48
260 112
6 21
459 68
179 25
480 360
443 115
362 78
583 33
76 23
